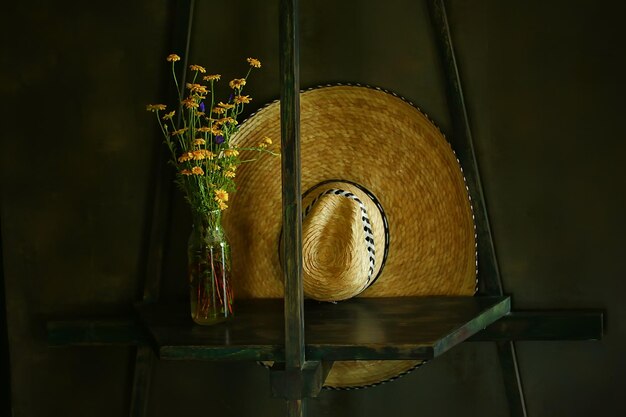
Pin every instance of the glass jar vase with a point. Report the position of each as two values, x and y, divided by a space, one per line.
209 270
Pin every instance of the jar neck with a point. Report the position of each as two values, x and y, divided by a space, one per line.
210 222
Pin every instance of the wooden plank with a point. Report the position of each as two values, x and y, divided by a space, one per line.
362 328
398 328
256 332
517 325
545 325
97 332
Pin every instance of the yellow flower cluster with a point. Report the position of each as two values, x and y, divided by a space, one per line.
197 68
192 171
231 152
190 103
196 155
221 197
225 120
265 142
237 83
242 99
199 142
155 107
179 132
254 62
197 89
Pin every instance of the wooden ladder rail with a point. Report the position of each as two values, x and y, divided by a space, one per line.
490 282
161 213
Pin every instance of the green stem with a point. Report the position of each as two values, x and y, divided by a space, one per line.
180 97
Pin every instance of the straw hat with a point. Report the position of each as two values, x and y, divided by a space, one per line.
398 168
345 239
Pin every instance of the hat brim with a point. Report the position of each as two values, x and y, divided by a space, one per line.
375 139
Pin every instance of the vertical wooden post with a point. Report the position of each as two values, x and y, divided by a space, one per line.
291 192
490 282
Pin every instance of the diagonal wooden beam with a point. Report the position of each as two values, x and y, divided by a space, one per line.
144 356
490 282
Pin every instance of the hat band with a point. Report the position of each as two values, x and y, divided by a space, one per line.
367 227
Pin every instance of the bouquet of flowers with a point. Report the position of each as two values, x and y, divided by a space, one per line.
198 137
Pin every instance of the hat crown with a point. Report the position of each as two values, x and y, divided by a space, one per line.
338 259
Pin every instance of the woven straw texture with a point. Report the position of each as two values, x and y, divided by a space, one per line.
386 145
334 250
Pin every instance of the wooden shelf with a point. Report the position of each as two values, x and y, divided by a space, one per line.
362 328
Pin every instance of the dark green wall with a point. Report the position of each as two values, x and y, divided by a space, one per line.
544 85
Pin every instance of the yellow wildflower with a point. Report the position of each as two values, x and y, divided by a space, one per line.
173 58
197 88
254 62
222 205
155 107
229 174
185 172
216 130
237 83
169 115
199 142
231 152
197 68
225 105
221 195
219 110
199 154
242 99
213 77
224 120
186 156
197 171
266 141
202 154
204 129
179 131
190 103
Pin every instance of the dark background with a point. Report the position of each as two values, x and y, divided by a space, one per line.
545 91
